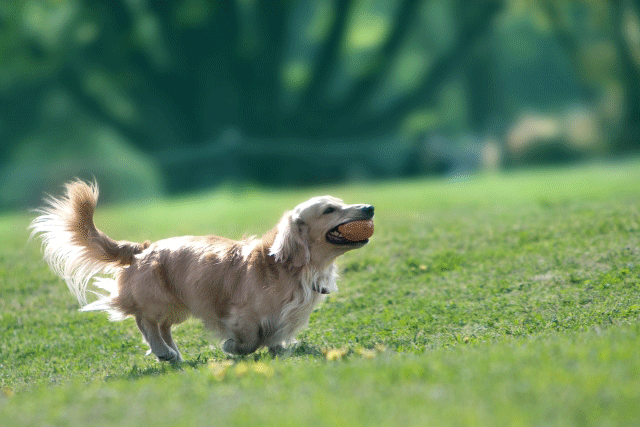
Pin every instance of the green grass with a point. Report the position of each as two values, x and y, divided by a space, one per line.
509 299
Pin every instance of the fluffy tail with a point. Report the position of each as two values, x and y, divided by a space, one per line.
74 248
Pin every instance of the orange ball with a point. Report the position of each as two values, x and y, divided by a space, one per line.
357 231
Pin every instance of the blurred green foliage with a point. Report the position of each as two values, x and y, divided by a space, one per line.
170 96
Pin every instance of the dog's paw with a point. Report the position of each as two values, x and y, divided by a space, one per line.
229 346
170 356
239 348
277 350
232 347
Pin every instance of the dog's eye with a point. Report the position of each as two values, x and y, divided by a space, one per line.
329 210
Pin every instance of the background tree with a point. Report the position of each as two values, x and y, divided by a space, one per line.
619 28
191 93
179 74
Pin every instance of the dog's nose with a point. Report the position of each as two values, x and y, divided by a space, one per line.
368 210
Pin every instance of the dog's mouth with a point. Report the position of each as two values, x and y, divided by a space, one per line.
335 237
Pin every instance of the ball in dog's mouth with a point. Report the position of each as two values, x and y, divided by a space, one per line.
351 232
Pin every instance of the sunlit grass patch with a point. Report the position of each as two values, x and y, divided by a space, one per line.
496 300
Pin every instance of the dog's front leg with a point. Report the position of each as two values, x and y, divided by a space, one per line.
245 340
276 350
151 332
165 333
239 348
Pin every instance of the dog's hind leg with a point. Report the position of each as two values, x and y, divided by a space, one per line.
151 332
165 333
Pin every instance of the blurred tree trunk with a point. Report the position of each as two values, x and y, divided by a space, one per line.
629 138
479 90
310 119
569 43
484 94
475 21
353 109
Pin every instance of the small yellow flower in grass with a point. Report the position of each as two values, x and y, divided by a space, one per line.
263 369
335 353
380 348
241 369
366 352
219 369
7 391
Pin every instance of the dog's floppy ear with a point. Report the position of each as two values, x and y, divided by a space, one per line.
291 242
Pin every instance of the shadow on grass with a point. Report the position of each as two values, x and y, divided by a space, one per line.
158 369
300 350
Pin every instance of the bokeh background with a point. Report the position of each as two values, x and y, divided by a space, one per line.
153 98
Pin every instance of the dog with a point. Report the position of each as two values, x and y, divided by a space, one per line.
253 293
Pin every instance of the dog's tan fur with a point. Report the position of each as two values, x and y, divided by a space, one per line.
252 293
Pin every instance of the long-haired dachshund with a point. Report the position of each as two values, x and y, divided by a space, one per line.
257 292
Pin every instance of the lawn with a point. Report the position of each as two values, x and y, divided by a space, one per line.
510 299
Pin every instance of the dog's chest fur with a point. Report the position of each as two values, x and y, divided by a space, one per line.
294 314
